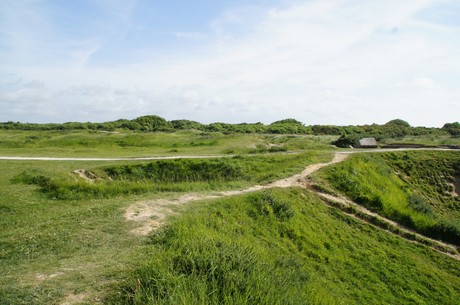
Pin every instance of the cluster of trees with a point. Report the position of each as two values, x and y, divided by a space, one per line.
152 123
393 129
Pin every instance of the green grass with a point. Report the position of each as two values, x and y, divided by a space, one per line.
53 247
432 140
431 175
180 175
132 144
62 237
284 247
73 245
408 187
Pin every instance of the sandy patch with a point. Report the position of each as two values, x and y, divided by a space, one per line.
72 299
42 277
85 175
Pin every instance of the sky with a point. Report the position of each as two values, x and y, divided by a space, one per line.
340 62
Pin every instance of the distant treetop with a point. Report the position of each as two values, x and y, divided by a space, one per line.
287 121
452 128
152 123
398 122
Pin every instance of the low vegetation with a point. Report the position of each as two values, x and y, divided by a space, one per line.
170 176
64 238
284 247
413 188
128 144
396 128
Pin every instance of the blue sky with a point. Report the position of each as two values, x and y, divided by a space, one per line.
318 61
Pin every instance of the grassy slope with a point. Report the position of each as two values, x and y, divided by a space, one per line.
76 244
431 175
285 247
416 201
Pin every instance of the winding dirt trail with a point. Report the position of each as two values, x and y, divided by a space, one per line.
151 215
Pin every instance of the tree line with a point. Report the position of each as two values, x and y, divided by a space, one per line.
153 123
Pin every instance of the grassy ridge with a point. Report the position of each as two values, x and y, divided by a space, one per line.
284 247
371 181
170 176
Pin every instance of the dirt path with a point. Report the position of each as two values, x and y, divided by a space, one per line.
12 158
360 213
151 215
111 159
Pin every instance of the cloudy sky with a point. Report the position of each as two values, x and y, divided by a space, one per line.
318 61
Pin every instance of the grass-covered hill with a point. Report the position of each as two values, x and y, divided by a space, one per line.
163 176
415 189
284 247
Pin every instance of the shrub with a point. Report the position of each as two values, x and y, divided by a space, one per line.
269 205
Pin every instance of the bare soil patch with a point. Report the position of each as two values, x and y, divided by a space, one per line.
86 175
72 299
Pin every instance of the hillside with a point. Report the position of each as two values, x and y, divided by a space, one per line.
284 247
66 239
415 189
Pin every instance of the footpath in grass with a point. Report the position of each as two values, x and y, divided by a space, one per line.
268 247
284 247
53 247
415 189
181 175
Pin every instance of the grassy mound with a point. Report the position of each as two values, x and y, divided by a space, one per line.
409 187
284 247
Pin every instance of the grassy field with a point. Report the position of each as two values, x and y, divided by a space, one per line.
64 239
130 144
432 140
161 176
53 246
51 249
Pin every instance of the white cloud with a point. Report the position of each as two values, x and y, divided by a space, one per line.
423 82
333 62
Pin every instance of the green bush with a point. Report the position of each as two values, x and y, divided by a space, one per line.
180 170
269 205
